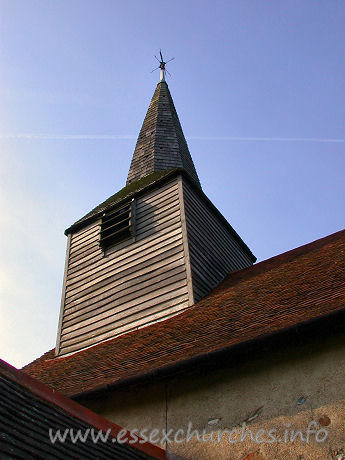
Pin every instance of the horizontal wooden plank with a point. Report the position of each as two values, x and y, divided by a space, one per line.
213 250
113 310
211 254
143 214
129 287
109 323
101 295
129 284
151 225
200 207
200 216
98 255
123 267
200 213
199 291
216 255
90 251
164 313
161 190
205 271
81 240
136 250
143 222
180 299
144 203
92 240
213 241
96 265
206 242
153 218
146 233
90 247
85 230
106 289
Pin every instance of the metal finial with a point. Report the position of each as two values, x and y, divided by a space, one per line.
161 66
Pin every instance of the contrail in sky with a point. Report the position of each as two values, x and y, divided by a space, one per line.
66 136
265 139
131 136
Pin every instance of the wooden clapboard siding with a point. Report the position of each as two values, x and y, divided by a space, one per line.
146 271
124 312
92 282
181 250
172 302
213 251
132 297
132 284
91 259
161 315
104 301
89 269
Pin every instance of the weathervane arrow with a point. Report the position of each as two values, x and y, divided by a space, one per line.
161 66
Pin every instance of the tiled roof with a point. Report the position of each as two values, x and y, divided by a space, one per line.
28 409
290 289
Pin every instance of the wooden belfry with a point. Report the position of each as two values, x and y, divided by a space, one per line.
151 250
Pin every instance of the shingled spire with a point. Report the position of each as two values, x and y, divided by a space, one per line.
161 144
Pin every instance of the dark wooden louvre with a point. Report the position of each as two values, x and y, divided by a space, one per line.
117 225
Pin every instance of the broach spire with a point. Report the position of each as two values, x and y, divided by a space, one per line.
161 144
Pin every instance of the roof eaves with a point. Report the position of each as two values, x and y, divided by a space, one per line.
72 408
334 242
333 319
141 186
130 191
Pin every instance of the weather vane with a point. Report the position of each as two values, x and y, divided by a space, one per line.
161 66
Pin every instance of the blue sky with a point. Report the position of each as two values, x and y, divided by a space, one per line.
258 86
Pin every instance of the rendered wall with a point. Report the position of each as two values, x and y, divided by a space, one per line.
276 382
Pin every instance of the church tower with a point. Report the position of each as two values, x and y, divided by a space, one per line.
151 250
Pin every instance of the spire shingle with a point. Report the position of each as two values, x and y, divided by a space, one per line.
161 144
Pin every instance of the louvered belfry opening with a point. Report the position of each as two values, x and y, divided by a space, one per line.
117 225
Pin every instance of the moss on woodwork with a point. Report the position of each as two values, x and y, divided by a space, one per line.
125 192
